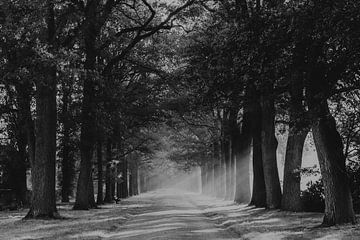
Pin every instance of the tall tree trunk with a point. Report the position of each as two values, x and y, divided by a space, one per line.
109 194
18 174
100 195
25 128
88 119
67 166
43 202
291 200
232 170
298 130
119 182
124 186
241 151
258 198
329 147
136 178
269 146
131 180
91 196
227 168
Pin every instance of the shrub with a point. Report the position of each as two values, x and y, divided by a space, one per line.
313 197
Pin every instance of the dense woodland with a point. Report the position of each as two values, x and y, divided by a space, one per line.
98 95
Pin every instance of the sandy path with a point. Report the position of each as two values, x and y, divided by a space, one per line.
163 214
171 215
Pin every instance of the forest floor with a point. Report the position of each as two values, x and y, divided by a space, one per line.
169 214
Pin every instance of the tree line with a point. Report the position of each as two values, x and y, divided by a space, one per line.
254 66
78 82
87 79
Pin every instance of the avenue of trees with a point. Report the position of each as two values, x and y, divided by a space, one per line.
86 84
258 65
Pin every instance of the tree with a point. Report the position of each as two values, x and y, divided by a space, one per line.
43 203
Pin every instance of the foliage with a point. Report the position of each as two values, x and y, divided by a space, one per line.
313 197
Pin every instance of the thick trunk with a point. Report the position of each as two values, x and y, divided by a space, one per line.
124 186
109 194
131 182
100 195
43 203
291 200
88 126
119 182
23 122
298 129
43 168
67 166
241 151
92 203
17 173
258 198
269 146
329 147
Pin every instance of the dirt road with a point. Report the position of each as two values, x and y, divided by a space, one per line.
171 215
163 214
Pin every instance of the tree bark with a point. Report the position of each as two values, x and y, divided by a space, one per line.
232 170
109 194
91 196
329 147
124 193
258 198
100 195
227 167
298 130
291 200
67 166
269 146
88 119
119 185
131 181
136 178
43 202
241 151
25 127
